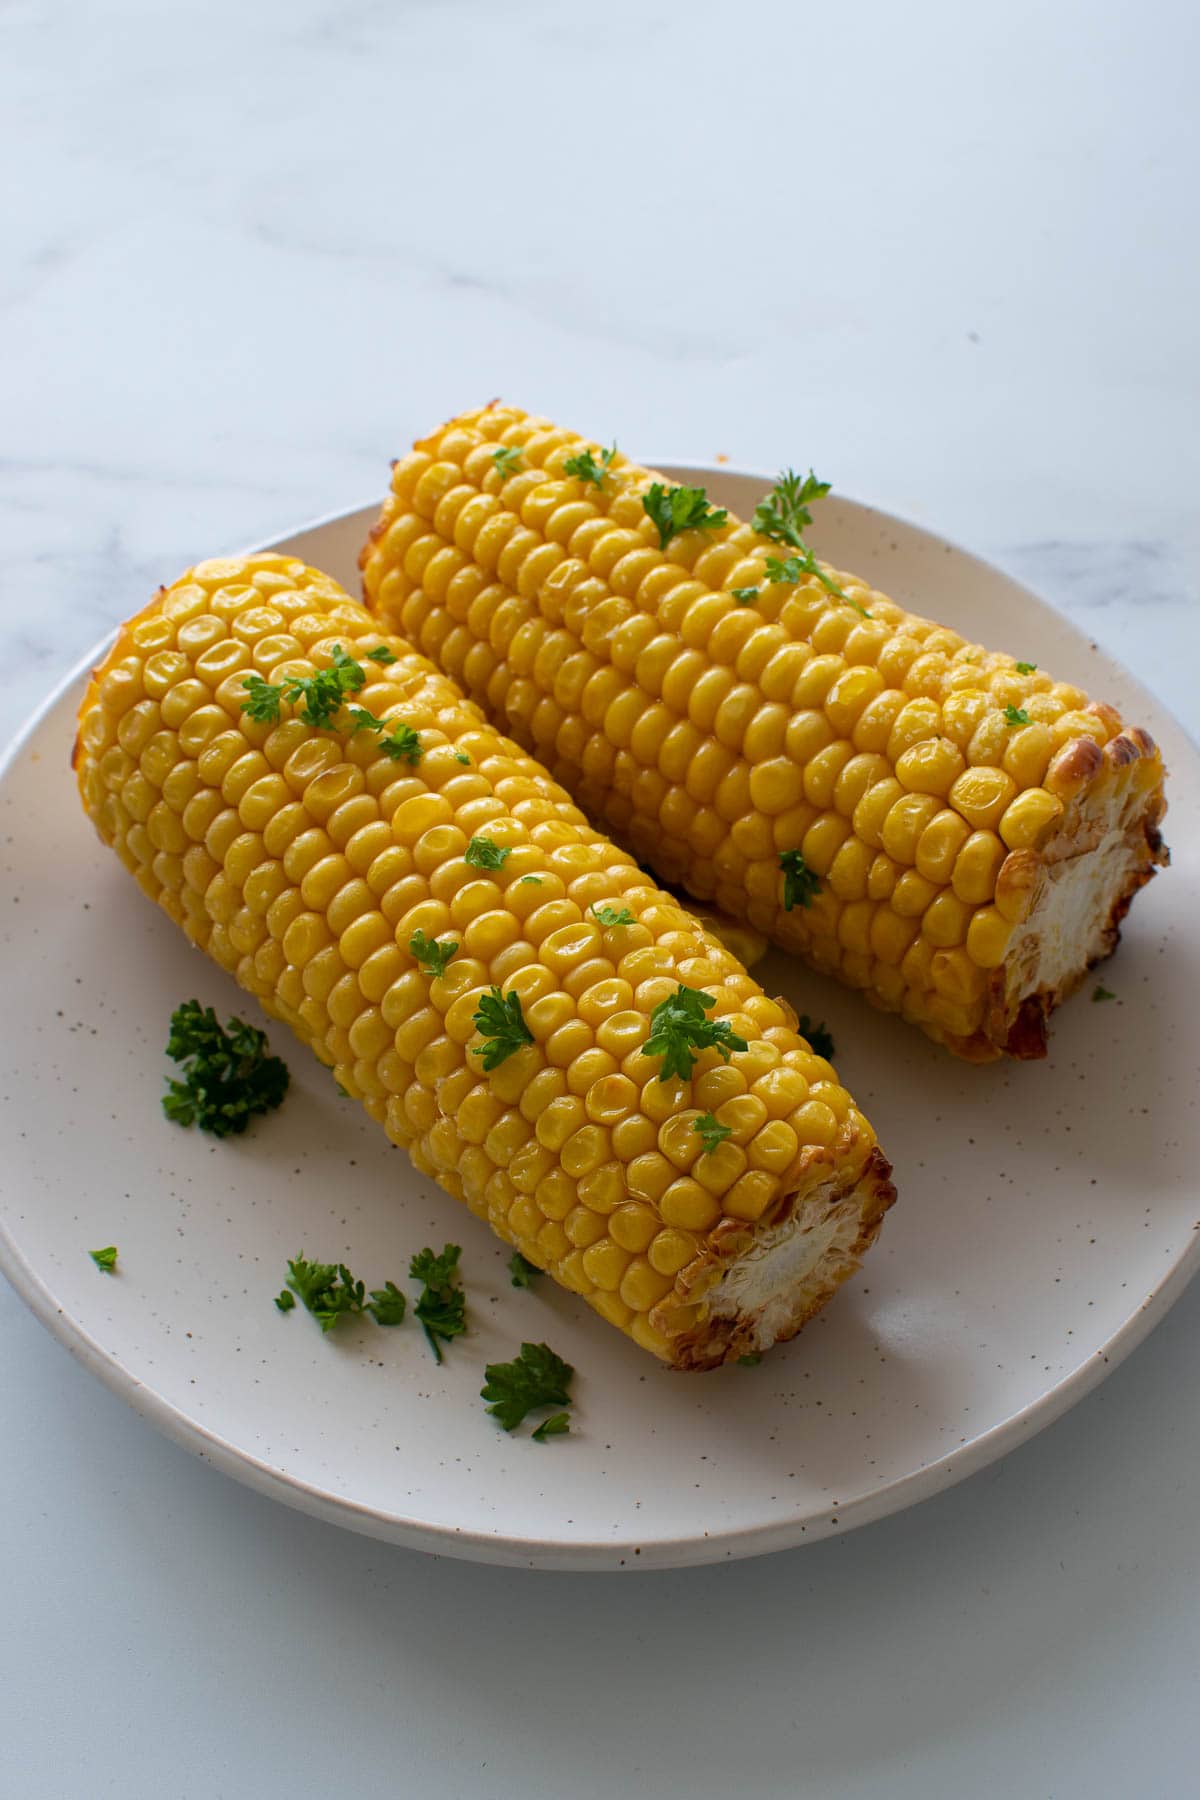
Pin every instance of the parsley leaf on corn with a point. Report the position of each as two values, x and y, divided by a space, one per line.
611 915
800 883
323 694
819 1039
710 1131
431 956
744 595
501 1024
803 562
535 1378
507 459
442 1307
585 467
1024 668
381 654
229 1077
481 853
680 509
105 1259
679 1029
1015 715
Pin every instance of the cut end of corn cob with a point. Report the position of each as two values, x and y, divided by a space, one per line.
976 829
318 868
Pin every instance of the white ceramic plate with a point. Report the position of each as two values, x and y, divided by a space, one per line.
1047 1214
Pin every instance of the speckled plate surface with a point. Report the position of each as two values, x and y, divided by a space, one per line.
1047 1215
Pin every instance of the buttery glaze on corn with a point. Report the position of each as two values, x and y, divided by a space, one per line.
304 860
711 736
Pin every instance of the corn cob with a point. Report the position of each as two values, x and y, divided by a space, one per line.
976 828
305 861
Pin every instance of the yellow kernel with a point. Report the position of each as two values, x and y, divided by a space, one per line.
633 1225
584 1150
634 1136
905 823
1028 821
558 1120
981 796
605 1264
774 1147
583 1227
720 1168
977 867
604 1188
814 1123
945 920
642 1286
671 1250
939 845
751 1195
648 1175
988 938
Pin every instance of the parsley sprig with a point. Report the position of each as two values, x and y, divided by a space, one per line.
679 1030
800 883
501 1024
482 853
323 694
1015 715
680 509
534 1379
710 1131
784 514
801 563
507 459
819 1039
585 466
327 1290
105 1259
612 915
229 1077
431 956
442 1307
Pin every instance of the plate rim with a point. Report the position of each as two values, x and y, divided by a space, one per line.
593 1555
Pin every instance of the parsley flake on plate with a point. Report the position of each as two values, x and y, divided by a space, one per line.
442 1306
522 1270
105 1259
327 1290
818 1039
535 1378
228 1075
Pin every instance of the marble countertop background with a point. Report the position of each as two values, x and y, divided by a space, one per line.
944 252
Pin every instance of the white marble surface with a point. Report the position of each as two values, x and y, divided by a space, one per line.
943 252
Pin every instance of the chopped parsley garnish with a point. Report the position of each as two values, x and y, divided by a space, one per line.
586 468
229 1077
501 1023
362 720
819 1040
522 1270
710 1131
784 513
323 694
680 509
531 881
558 1425
679 1029
744 596
1026 668
1016 715
1102 993
800 883
327 1290
387 1304
285 1300
442 1307
481 853
431 955
381 654
507 459
535 1378
402 740
610 915
751 1359
463 759
803 562
105 1259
